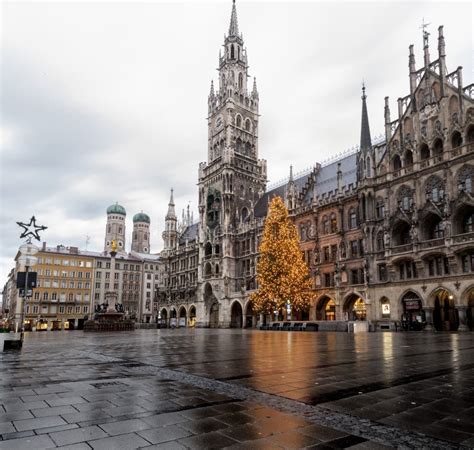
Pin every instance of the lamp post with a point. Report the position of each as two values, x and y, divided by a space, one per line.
27 259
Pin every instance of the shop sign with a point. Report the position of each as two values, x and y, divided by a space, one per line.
412 304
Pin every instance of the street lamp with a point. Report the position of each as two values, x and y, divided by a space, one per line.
26 260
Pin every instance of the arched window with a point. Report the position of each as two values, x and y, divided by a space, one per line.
217 269
248 125
325 223
424 152
241 81
333 223
434 189
397 162
238 53
470 134
352 219
401 233
405 198
408 158
217 249
438 147
232 54
468 223
456 139
465 179
238 121
245 214
145 236
208 249
380 208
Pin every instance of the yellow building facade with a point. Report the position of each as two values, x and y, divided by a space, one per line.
63 296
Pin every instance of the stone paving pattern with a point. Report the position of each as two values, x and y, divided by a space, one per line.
185 388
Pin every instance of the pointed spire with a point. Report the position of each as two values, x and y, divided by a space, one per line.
234 26
291 173
365 140
171 212
254 89
212 89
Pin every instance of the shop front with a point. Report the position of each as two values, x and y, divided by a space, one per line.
413 316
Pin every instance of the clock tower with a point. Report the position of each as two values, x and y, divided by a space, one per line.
233 178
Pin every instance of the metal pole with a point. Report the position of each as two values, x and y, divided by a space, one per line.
22 316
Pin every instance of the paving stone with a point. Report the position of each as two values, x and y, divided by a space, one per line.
17 415
206 441
125 426
54 411
47 430
41 422
164 434
7 427
159 420
65 401
77 435
122 442
27 443
21 406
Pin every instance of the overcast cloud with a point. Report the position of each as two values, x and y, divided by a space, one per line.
105 102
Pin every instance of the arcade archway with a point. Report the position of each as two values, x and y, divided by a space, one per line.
355 308
250 316
236 315
211 302
192 316
413 316
326 309
163 319
445 314
182 316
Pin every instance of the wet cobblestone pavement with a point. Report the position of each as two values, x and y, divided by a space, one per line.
185 388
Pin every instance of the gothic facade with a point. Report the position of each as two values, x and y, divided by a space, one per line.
387 230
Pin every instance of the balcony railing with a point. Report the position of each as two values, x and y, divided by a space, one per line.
402 248
433 243
465 237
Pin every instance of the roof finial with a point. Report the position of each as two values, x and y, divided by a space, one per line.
365 139
234 26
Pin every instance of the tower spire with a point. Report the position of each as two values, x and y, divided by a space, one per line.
365 140
234 26
171 212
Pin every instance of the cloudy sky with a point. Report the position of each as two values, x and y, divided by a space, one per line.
107 101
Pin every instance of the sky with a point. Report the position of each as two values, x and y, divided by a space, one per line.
105 102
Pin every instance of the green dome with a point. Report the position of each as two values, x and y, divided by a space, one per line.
116 209
141 217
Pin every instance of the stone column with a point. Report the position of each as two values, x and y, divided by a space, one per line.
429 318
462 313
254 321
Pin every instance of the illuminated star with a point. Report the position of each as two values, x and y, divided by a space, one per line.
31 229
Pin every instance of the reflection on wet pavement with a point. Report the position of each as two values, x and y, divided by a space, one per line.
239 389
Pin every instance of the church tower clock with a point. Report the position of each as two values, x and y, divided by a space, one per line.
233 178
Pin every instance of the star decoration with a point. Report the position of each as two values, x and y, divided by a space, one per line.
31 229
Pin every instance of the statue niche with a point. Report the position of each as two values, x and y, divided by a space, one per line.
213 207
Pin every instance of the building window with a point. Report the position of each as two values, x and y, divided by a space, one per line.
438 266
354 249
382 272
352 219
380 209
333 223
407 270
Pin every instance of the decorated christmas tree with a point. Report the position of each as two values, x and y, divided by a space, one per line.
282 275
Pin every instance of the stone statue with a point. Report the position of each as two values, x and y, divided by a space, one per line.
114 245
